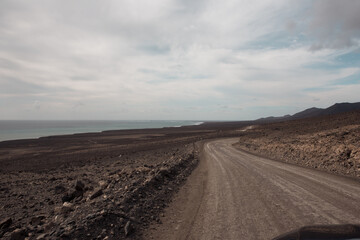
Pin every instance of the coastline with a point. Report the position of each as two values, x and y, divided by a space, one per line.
51 151
35 129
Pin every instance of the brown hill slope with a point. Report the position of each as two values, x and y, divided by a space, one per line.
334 109
337 108
330 143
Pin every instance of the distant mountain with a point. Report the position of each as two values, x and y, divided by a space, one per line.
310 112
341 107
315 112
334 109
273 119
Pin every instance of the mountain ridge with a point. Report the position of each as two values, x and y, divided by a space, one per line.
337 108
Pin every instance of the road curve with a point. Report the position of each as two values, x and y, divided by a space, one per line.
236 195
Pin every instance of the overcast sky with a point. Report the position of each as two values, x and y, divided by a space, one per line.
176 59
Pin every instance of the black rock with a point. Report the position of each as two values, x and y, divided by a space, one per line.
5 223
68 197
37 220
98 192
128 228
59 189
18 234
79 186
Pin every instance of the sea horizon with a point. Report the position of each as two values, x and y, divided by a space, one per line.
32 129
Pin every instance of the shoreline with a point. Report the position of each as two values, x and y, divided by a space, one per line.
68 133
76 149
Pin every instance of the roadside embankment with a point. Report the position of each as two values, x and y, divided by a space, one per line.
103 200
330 143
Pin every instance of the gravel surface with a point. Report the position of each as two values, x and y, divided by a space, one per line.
237 195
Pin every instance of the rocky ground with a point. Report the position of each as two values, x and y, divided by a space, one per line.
108 185
95 201
330 143
113 185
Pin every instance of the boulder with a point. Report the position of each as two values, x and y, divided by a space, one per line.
59 189
68 197
18 234
64 209
4 224
128 228
79 186
37 220
98 192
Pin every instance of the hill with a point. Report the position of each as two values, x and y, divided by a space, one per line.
315 112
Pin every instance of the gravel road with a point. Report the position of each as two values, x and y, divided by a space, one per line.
236 195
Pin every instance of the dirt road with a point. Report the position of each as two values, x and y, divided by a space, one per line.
236 195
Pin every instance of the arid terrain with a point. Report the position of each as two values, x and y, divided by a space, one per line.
101 185
329 143
130 183
237 195
275 178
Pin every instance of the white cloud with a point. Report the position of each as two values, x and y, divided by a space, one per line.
161 59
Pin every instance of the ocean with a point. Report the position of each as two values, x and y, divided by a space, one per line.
18 129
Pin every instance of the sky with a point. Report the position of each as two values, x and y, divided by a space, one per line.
176 59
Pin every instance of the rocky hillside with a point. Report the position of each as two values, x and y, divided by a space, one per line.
337 108
330 143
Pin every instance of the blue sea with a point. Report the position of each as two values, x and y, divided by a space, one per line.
18 129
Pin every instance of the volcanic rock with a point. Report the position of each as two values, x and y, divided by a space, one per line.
128 228
5 223
37 220
18 234
79 186
59 189
98 192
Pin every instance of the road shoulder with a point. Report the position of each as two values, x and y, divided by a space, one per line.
178 217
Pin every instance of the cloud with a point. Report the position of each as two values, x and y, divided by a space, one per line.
168 59
335 24
16 86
